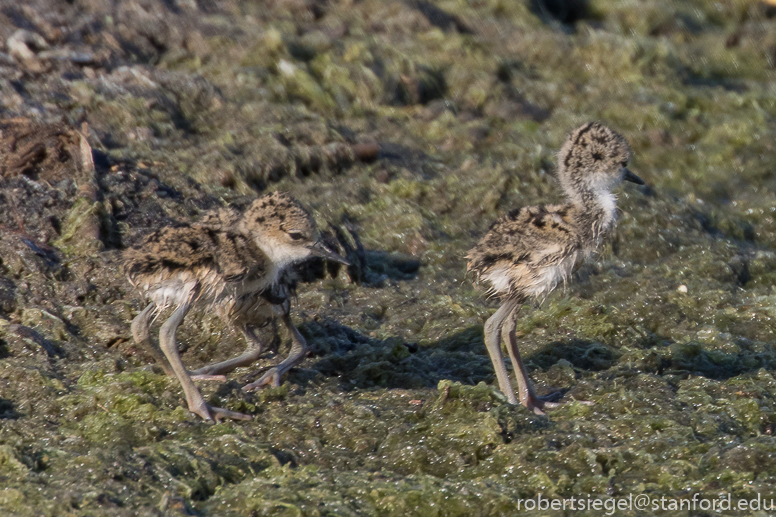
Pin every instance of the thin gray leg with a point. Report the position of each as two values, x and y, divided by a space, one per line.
252 353
298 351
492 333
194 398
524 387
140 331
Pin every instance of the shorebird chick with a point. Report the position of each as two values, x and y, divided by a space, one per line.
529 251
234 263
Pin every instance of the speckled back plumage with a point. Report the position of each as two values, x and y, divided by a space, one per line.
219 219
234 261
527 252
171 250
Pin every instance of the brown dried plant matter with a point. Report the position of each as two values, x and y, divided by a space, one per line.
234 263
528 252
50 152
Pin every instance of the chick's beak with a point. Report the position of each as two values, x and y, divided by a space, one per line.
319 250
629 176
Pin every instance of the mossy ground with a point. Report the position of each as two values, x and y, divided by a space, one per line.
191 105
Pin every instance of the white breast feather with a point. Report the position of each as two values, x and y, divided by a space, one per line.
537 282
545 280
499 278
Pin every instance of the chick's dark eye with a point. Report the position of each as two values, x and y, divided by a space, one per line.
295 236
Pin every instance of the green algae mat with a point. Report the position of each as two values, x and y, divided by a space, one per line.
412 124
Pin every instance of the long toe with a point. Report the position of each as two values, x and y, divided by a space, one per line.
207 370
539 404
212 413
221 414
585 402
271 378
550 401
553 396
195 376
550 405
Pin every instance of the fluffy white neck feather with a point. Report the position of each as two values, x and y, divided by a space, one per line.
281 255
608 203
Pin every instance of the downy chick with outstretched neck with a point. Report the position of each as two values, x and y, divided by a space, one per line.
235 263
528 252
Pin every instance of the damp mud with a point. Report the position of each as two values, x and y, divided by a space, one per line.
409 125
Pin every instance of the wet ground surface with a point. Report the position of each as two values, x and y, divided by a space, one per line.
119 117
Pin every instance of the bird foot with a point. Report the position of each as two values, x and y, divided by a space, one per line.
213 413
551 401
271 378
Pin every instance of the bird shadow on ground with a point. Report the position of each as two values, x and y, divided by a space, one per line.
702 360
682 359
370 268
382 265
581 353
362 362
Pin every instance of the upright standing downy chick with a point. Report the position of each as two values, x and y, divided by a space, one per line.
235 263
529 251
